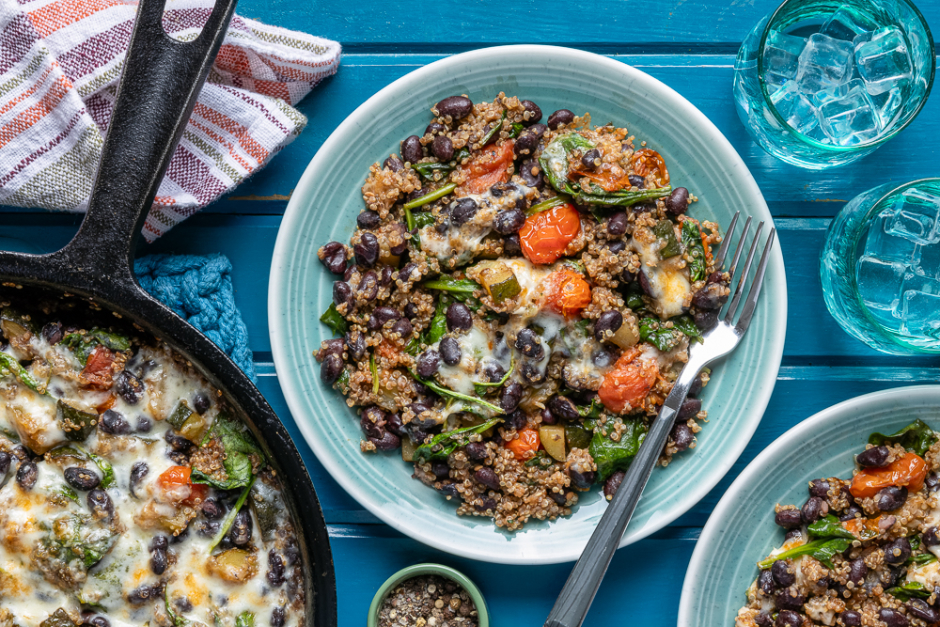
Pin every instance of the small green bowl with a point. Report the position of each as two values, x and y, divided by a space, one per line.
417 570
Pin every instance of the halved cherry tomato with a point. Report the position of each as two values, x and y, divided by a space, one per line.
528 441
646 161
545 235
910 471
566 292
97 372
628 383
606 179
486 170
175 478
863 528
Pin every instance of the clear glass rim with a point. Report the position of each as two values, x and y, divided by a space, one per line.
877 206
829 147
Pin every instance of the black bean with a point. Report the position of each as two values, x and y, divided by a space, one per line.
562 116
493 372
851 618
890 498
613 482
763 620
450 351
697 386
560 498
440 469
434 128
765 582
388 442
428 363
52 332
20 453
382 315
158 562
27 474
373 421
5 460
637 181
857 571
81 478
114 423
531 173
581 480
463 210
591 159
487 505
367 250
617 224
476 451
275 574
343 295
334 346
690 407
874 457
562 408
159 543
443 148
143 594
706 320
510 397
100 504
517 420
129 387
144 424
403 328
277 617
608 321
458 317
792 533
333 256
813 509
240 534
177 442
711 296
785 600
369 219
528 343
487 477
644 283
918 608
395 165
682 436
678 201
138 471
892 618
533 111
819 487
526 143
95 621
419 409
512 246
852 511
788 518
788 618
449 490
616 246
368 287
393 423
411 149
783 576
897 551
509 221
331 369
601 358
455 107
213 509
548 418
356 344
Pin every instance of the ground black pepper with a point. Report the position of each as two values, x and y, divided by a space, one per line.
428 601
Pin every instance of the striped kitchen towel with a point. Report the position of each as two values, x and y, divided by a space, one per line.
60 61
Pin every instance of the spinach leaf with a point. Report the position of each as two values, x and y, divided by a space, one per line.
577 436
229 519
459 289
423 219
494 130
545 205
916 437
334 320
664 230
443 444
823 549
541 460
685 324
634 298
692 239
107 471
591 411
923 559
76 424
483 388
448 393
517 129
430 197
829 527
10 366
908 590
620 198
245 619
176 619
652 331
95 546
83 344
342 384
612 456
436 329
555 158
239 446
428 170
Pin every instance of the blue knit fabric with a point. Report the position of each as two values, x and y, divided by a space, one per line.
199 289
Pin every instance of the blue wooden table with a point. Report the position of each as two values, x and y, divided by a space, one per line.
688 44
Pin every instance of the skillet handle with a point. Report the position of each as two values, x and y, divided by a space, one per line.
162 78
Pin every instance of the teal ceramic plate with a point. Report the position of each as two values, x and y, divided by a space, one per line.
324 206
741 530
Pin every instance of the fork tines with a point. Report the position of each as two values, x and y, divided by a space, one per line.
750 302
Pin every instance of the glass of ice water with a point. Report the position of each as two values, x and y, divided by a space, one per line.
823 83
880 267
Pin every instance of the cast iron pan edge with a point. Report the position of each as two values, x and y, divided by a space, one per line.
158 90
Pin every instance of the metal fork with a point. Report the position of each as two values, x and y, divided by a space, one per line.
575 598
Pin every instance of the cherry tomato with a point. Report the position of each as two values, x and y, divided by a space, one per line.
910 470
487 169
566 292
863 528
97 370
606 179
545 235
646 161
528 441
628 383
175 479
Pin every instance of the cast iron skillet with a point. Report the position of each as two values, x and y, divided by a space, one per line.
161 80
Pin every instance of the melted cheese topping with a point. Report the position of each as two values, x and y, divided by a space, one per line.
668 278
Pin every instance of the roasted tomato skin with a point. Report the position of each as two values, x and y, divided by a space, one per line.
175 478
97 372
566 292
487 169
528 440
646 160
628 383
545 235
909 471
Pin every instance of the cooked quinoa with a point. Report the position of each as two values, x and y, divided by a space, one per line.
860 551
515 305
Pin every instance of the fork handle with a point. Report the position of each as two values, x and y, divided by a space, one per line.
576 596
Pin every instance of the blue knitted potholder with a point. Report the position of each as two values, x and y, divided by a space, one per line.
199 289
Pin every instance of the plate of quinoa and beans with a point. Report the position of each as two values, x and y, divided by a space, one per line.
841 525
480 338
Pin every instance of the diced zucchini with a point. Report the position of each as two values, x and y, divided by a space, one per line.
265 510
233 565
180 415
408 449
627 335
76 424
665 231
499 281
553 439
194 428
577 436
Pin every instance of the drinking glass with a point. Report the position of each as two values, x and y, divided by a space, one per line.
880 267
759 72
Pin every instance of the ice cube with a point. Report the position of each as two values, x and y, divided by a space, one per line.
888 104
917 217
795 108
920 313
884 61
929 264
836 92
879 284
849 120
885 246
781 56
846 24
825 62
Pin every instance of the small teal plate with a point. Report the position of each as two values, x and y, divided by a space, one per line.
324 206
741 530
